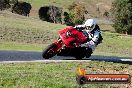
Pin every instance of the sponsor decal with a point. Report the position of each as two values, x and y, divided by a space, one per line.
84 78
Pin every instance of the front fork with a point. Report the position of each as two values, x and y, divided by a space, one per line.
59 44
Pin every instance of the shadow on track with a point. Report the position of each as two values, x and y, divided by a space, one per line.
6 55
115 59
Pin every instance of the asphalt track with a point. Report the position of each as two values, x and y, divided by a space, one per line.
10 56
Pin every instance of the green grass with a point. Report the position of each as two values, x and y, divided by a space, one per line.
117 44
15 28
55 75
39 3
21 46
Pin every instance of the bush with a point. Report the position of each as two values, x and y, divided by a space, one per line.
122 16
22 8
4 4
51 14
67 19
76 13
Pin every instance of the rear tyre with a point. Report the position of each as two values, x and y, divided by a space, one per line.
88 52
80 53
78 57
50 51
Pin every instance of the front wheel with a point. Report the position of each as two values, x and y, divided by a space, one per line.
50 51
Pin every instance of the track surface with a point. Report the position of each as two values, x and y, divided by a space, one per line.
30 56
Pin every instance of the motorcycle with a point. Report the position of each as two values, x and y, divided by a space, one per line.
68 44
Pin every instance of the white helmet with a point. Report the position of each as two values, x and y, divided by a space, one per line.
90 24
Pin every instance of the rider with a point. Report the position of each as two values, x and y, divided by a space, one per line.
92 31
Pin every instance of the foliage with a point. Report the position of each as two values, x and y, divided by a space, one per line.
67 19
122 16
50 14
13 1
76 13
4 4
22 8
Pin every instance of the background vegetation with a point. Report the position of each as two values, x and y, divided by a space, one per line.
122 16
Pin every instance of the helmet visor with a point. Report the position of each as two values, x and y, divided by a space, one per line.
89 27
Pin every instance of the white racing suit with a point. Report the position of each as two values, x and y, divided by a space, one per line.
93 36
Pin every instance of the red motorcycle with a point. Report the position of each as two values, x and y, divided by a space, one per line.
68 44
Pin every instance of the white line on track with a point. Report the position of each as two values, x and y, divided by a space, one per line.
43 61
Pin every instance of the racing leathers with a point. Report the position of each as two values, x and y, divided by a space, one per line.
93 37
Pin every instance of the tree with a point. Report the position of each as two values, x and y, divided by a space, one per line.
122 16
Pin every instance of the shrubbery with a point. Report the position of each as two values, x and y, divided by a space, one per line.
22 8
54 14
4 4
76 13
51 14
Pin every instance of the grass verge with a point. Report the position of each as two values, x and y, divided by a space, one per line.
56 74
21 46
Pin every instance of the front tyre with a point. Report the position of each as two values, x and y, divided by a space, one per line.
50 51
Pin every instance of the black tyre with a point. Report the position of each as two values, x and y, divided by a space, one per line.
79 53
78 57
88 52
50 51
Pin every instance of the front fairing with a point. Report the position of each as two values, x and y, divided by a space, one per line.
69 35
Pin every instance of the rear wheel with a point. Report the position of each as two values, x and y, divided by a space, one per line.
50 51
78 57
88 52
80 53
